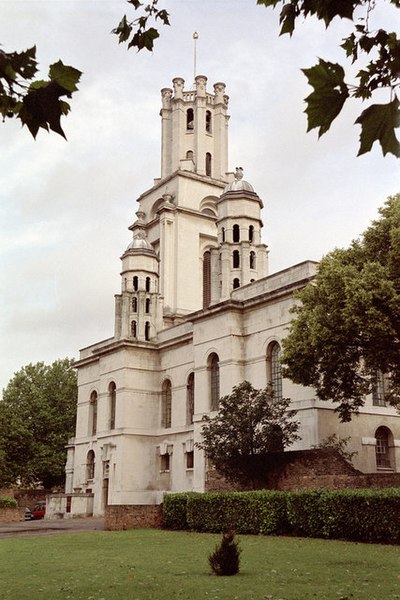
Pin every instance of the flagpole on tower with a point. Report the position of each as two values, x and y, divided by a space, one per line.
195 38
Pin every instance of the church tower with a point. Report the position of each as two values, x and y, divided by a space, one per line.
194 129
241 257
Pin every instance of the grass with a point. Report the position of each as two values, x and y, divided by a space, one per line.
162 565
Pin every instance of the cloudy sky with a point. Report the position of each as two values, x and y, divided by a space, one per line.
65 206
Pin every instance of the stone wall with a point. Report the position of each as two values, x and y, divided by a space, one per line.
135 516
11 515
309 469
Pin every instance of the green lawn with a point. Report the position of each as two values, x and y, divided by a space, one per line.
161 565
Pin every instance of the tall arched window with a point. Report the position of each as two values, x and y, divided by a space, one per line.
190 399
93 414
252 259
135 283
134 304
274 375
147 305
236 283
112 398
206 279
166 404
251 233
208 121
223 233
236 233
189 119
213 368
90 460
236 259
147 331
208 164
147 284
382 448
133 329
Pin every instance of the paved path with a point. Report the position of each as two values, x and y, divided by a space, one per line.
50 526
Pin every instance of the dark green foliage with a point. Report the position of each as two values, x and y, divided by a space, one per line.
347 326
365 515
225 560
249 430
175 511
37 103
37 416
382 49
258 512
8 503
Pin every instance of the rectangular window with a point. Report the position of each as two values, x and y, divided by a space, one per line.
189 460
164 462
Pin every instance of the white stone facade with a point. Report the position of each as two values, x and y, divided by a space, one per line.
197 314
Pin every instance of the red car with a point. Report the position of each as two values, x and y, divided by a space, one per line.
40 510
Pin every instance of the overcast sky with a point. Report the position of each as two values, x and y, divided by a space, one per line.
65 206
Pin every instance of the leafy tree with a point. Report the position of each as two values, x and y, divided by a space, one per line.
37 103
248 429
347 325
37 416
382 49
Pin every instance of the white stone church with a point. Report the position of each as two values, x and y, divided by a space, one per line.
197 314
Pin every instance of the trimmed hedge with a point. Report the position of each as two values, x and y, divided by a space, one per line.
371 515
8 502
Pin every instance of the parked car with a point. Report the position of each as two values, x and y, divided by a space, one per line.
28 514
39 510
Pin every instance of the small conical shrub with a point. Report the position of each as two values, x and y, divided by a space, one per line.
225 559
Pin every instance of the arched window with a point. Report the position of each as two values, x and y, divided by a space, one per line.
251 233
147 331
382 448
125 284
189 119
252 259
147 284
236 283
133 329
134 304
147 305
213 368
236 233
135 283
206 279
189 155
93 414
223 233
190 399
208 121
274 375
112 398
236 259
166 404
208 164
90 460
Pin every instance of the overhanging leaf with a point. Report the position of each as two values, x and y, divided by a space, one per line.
67 77
378 123
330 93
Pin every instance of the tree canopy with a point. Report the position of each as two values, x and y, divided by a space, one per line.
37 416
346 327
248 429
